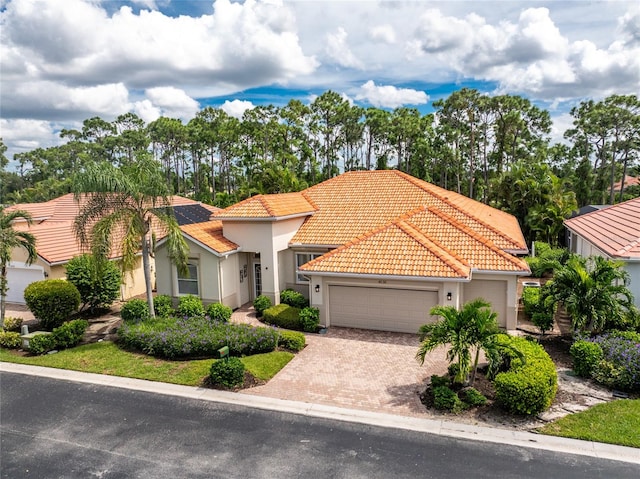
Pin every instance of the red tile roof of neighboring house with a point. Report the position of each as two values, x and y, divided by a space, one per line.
56 242
210 235
628 181
615 229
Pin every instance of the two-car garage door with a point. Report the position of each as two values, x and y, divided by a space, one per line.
19 276
400 310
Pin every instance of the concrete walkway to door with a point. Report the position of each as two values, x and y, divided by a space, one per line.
354 368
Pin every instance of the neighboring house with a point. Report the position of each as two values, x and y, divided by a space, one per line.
628 182
370 249
612 232
56 243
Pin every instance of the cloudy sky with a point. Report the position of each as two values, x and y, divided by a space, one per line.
63 61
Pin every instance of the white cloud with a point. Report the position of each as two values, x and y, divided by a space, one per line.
236 108
338 50
389 96
383 33
173 102
25 135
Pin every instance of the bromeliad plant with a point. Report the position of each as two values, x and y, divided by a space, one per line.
467 332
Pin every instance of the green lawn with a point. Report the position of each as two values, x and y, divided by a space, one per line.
615 422
107 358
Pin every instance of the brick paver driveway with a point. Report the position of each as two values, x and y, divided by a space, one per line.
354 368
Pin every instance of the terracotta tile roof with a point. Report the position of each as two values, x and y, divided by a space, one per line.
615 229
210 235
53 227
356 202
269 206
628 181
424 242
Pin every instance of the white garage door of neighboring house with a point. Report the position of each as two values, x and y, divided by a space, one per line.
494 292
400 310
18 278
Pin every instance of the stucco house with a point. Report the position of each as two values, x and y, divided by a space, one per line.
613 233
370 249
56 243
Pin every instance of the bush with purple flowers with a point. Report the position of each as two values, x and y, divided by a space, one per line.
619 367
195 337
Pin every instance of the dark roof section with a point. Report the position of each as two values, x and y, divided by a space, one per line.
190 214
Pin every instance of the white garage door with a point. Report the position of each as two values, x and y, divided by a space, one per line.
18 278
400 310
494 292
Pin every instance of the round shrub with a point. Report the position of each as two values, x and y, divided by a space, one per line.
42 343
163 305
10 339
261 303
530 384
12 324
310 319
473 397
586 355
530 299
97 281
228 373
52 301
293 298
70 334
219 312
283 316
446 399
437 381
135 310
190 306
291 340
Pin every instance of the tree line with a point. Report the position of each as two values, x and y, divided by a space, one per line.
495 149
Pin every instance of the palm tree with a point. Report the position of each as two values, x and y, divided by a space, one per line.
474 327
593 291
122 204
10 239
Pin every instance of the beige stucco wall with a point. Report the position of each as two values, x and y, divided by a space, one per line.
511 284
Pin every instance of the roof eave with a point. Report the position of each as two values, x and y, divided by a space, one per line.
383 276
260 218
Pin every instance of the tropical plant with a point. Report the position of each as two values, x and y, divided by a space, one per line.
469 330
11 238
593 291
121 205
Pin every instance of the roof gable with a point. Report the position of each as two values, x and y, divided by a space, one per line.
269 207
615 229
209 234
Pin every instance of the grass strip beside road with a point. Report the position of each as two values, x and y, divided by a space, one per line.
615 422
108 358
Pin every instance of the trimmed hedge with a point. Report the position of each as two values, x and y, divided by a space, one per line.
219 312
586 355
261 303
283 316
293 298
190 306
196 337
310 319
42 343
163 305
52 301
291 340
529 386
98 282
12 324
70 334
447 399
530 299
10 339
135 310
228 373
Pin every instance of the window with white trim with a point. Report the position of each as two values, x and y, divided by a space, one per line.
303 258
188 284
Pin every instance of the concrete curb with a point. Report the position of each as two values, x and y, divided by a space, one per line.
439 427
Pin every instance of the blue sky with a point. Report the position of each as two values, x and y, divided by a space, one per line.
65 61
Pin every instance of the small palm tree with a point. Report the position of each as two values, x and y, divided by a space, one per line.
121 204
11 238
593 291
474 327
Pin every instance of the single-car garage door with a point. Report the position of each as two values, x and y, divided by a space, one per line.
18 278
494 292
400 310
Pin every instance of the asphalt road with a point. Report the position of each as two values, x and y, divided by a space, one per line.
59 429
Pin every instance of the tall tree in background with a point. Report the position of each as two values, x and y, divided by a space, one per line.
10 238
120 205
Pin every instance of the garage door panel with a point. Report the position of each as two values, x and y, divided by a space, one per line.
381 309
18 279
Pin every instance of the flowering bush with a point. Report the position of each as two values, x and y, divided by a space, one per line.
196 337
620 364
